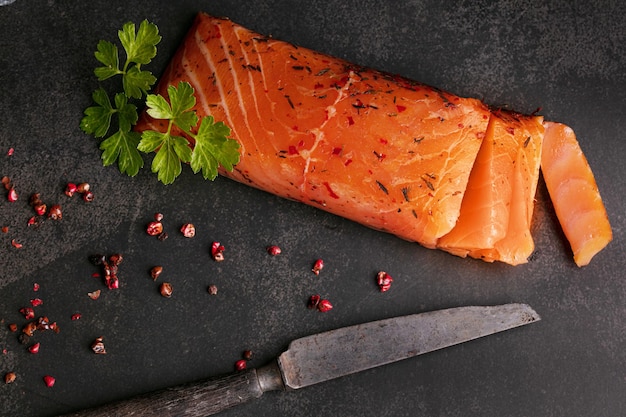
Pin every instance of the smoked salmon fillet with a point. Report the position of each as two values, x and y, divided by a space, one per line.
379 149
382 150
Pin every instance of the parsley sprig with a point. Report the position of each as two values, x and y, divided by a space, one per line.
212 146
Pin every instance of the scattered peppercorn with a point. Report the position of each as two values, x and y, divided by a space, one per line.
247 354
34 349
318 266
70 189
76 316
154 228
35 302
155 272
55 212
217 251
49 381
240 365
9 377
166 289
12 195
274 250
188 230
314 301
13 327
43 323
110 267
212 289
28 313
324 306
98 346
158 217
384 281
35 287
29 328
88 196
94 295
38 205
83 187
116 259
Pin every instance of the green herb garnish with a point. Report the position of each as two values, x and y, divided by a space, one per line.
211 146
140 49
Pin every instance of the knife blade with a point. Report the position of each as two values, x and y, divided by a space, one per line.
325 356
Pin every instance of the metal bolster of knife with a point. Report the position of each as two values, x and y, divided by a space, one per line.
270 377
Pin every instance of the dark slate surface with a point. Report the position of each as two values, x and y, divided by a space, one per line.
567 58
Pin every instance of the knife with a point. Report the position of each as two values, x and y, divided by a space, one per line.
326 356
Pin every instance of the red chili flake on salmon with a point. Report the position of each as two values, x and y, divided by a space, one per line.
400 108
330 191
350 120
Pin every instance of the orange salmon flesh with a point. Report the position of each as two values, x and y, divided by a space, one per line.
382 150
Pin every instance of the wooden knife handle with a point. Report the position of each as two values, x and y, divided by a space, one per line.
196 399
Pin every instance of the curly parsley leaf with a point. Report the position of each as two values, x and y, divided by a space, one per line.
213 148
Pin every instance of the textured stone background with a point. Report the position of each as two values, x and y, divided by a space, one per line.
567 57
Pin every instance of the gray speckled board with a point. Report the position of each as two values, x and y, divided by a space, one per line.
567 58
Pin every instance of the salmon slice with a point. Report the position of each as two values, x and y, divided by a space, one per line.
497 208
376 148
574 193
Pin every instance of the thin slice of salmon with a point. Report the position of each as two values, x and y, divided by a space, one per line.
497 208
382 150
574 193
